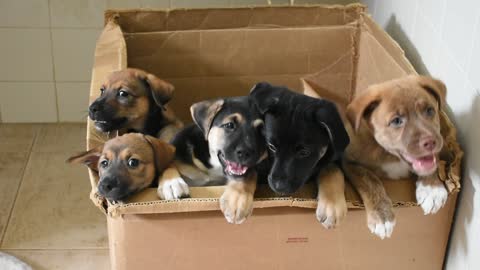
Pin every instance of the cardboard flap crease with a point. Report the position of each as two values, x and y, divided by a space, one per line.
329 51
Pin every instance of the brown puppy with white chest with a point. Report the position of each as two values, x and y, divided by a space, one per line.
127 164
396 134
132 100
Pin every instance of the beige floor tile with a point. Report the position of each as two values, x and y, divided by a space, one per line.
53 209
17 137
64 259
67 138
11 170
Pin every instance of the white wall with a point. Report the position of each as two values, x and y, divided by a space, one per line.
442 38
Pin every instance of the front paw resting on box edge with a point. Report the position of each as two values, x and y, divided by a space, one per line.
431 195
172 189
330 213
381 220
236 205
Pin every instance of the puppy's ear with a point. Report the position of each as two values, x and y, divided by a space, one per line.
204 112
161 90
362 106
89 158
327 115
264 96
163 151
435 88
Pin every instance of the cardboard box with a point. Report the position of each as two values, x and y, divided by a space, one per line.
207 53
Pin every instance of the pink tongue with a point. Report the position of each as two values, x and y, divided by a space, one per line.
425 163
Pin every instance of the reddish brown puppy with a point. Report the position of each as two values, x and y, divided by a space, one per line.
395 133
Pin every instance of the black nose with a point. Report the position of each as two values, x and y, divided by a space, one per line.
243 153
107 184
95 107
279 185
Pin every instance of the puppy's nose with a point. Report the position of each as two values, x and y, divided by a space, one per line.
107 184
243 153
428 144
95 107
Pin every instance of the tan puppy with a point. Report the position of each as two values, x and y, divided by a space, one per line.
132 100
396 134
127 164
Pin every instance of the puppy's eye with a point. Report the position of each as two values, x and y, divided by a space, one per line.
104 163
430 111
272 147
303 152
133 163
102 90
229 125
397 121
123 93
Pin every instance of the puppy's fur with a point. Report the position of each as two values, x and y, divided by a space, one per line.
395 131
132 100
127 164
224 145
304 136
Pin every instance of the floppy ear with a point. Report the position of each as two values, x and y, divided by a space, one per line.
204 112
362 106
163 151
327 115
89 158
264 96
161 90
435 88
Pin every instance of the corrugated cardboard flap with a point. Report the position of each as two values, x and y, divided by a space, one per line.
142 20
207 199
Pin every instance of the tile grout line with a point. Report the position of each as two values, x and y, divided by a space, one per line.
4 233
53 60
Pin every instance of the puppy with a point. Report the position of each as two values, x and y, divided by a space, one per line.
304 136
223 146
127 164
396 134
132 100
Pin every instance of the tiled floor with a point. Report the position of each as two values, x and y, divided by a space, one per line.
46 216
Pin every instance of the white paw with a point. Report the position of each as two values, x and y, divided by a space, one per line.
172 189
382 230
330 214
431 197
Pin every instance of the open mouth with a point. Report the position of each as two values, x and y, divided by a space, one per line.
422 165
232 168
105 126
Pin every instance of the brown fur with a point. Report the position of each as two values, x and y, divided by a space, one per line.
332 205
135 81
236 202
375 143
154 155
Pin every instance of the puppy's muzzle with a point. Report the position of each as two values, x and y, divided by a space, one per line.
280 185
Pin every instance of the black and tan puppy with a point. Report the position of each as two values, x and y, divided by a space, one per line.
223 146
127 164
132 100
305 136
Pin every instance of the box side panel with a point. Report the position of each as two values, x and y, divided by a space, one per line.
276 238
211 63
136 21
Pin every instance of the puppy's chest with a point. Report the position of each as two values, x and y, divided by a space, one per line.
396 169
